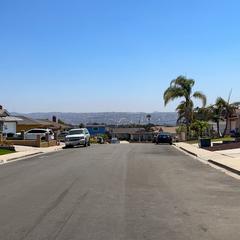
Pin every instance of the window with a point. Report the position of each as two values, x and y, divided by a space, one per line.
37 131
32 131
72 132
95 129
40 131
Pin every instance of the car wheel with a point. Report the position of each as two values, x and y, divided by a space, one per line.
89 143
85 144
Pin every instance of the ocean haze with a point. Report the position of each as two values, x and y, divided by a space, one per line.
119 118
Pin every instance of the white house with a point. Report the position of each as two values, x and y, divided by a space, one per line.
8 124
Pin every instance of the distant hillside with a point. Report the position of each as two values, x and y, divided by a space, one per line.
165 118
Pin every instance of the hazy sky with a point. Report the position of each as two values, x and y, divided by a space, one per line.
115 55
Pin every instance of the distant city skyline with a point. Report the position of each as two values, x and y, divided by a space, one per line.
115 56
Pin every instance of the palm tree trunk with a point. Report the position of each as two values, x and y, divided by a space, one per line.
188 130
218 128
226 126
188 117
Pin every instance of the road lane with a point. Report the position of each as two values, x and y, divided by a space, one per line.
122 191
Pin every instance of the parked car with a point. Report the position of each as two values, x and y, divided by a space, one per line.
33 133
164 138
114 141
77 137
62 136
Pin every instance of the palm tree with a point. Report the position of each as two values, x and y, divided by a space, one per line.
216 114
183 109
223 110
149 118
181 87
227 111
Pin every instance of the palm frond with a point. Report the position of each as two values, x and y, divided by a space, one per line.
220 102
201 96
172 93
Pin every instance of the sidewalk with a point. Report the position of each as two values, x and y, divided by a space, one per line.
24 151
219 158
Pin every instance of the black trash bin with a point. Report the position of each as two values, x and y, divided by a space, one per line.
204 142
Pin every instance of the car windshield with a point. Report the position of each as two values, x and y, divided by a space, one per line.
72 132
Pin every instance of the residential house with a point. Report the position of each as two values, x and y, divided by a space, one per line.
28 123
213 126
234 122
96 130
166 129
8 123
131 134
232 126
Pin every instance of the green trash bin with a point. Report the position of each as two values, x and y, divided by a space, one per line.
204 142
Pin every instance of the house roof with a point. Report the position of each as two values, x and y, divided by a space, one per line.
4 113
97 126
5 116
42 122
10 119
28 121
52 124
167 129
46 122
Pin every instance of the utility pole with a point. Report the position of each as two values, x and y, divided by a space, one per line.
139 138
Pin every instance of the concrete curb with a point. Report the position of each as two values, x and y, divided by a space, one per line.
192 153
225 167
29 155
19 158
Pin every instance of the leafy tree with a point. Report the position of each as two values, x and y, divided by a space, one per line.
199 127
181 87
181 128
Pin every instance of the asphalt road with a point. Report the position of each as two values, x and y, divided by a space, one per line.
113 192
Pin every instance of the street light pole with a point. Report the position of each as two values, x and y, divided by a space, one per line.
139 129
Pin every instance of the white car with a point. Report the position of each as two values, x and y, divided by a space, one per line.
33 133
76 137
